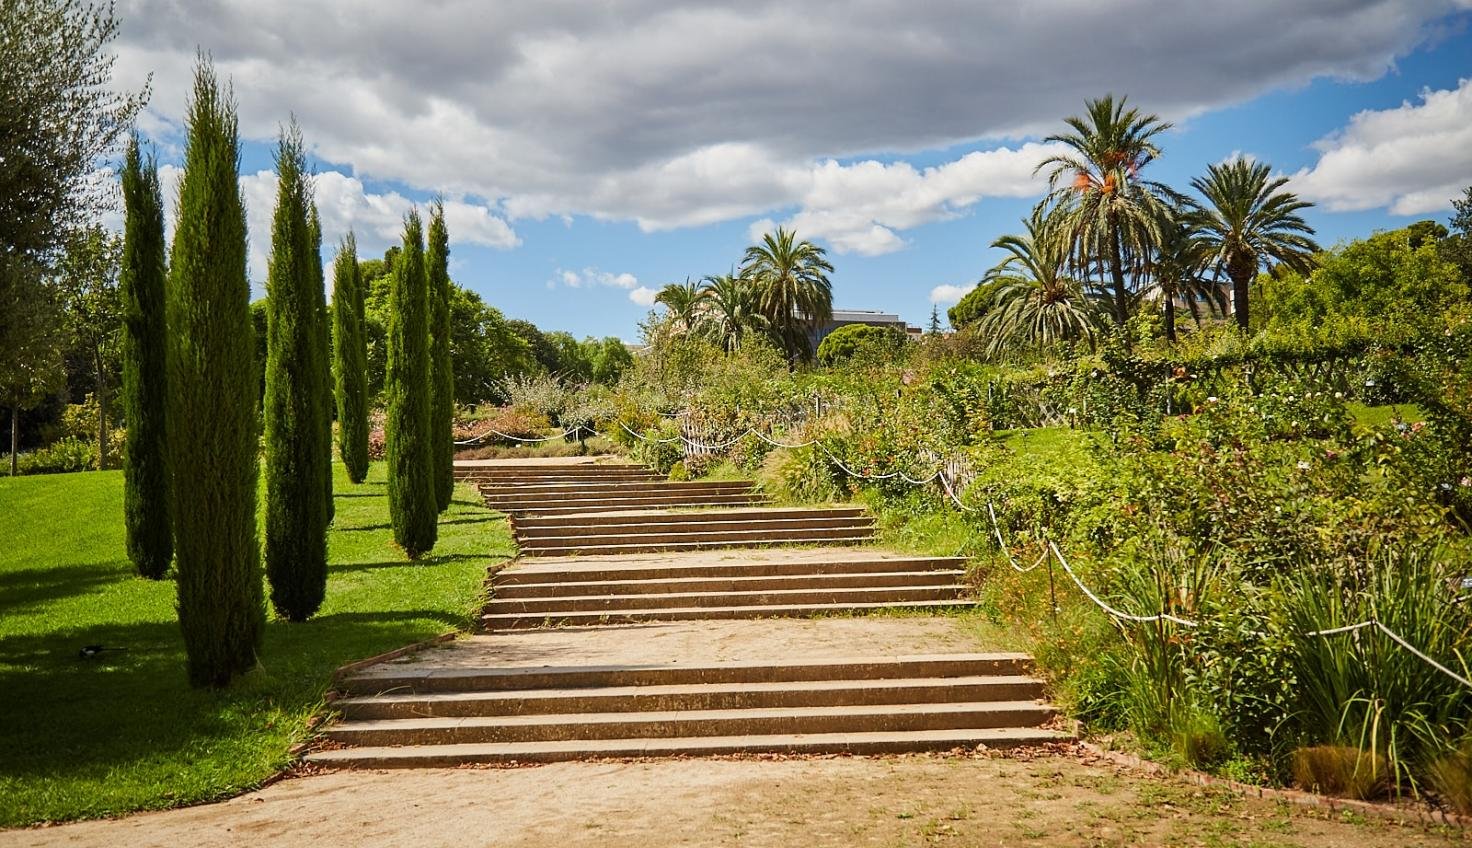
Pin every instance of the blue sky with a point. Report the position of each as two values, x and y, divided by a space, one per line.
589 161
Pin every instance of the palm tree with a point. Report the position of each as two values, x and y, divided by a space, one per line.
729 310
1176 269
1035 302
1111 210
793 292
1247 222
682 303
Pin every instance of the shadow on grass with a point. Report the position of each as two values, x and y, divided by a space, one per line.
113 733
25 589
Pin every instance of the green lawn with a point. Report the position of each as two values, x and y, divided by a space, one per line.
88 738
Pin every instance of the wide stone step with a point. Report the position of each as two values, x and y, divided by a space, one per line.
449 756
599 503
694 522
816 538
735 563
561 487
690 723
771 597
681 534
621 518
512 621
410 678
708 696
574 586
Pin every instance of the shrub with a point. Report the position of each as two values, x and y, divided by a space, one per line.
678 472
799 474
1341 770
411 496
61 456
350 354
861 343
1451 777
655 448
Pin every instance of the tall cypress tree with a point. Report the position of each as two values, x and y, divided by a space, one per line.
145 383
350 355
212 425
296 510
442 374
323 356
411 495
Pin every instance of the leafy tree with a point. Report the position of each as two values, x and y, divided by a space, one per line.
574 361
146 500
34 340
212 422
59 116
541 347
728 310
1035 302
1457 246
1111 211
350 354
682 302
88 282
793 291
296 510
973 306
864 342
441 364
611 358
411 494
1249 221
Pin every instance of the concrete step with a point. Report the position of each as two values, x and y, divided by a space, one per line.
418 679
690 723
700 696
582 508
547 570
816 538
597 503
684 600
848 528
709 521
631 517
574 586
577 493
593 473
563 487
449 756
513 621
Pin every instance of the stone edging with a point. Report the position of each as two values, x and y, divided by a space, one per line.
344 670
1423 814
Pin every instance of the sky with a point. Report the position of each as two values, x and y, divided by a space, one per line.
590 153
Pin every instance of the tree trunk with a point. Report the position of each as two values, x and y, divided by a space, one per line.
14 437
1240 267
1170 318
1116 268
1195 310
101 413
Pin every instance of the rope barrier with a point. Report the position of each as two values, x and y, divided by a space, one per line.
1399 640
1143 619
1008 551
494 432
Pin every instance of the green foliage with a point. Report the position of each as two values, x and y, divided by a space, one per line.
212 420
973 306
793 290
861 342
322 356
610 358
799 475
64 455
350 355
411 493
441 364
146 499
296 506
88 281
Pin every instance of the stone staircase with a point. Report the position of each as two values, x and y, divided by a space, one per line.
613 634
398 717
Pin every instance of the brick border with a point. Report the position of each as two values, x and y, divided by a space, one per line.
1400 815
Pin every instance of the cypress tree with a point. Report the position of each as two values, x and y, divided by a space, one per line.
442 374
323 357
296 511
145 383
212 424
411 494
350 354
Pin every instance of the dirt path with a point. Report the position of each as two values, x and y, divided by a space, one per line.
920 800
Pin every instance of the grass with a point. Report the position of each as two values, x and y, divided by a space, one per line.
124 731
1379 416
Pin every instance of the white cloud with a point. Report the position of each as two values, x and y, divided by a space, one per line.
1413 159
592 277
644 296
949 293
675 114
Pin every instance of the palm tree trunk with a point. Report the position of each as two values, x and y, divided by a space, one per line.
1195 310
1116 268
1240 268
1170 317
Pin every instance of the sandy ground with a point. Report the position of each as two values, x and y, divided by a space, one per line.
919 800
